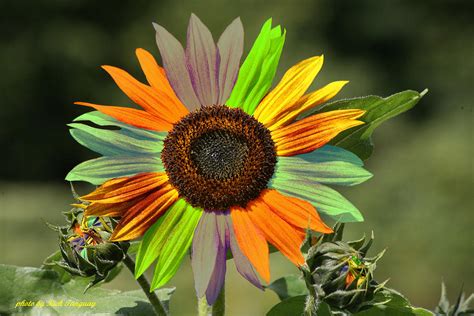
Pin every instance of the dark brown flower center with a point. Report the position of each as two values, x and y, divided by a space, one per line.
218 157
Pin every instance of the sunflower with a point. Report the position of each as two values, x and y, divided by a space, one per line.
215 162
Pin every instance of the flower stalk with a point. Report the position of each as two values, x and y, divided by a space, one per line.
216 309
145 285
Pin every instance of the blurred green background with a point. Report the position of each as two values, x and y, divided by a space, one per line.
419 203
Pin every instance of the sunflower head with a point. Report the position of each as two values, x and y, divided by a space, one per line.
214 160
218 157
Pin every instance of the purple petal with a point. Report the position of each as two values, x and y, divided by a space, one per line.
230 48
218 276
173 57
204 251
242 263
201 59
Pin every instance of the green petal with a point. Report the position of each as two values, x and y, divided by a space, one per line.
257 71
99 170
156 236
328 202
114 138
319 166
176 247
332 153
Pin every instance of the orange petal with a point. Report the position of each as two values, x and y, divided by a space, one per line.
155 102
314 131
126 189
294 211
142 215
305 103
109 209
251 241
132 116
292 86
278 232
156 77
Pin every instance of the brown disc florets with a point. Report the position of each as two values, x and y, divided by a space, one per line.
218 157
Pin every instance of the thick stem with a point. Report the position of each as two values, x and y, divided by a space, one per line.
145 285
218 309
203 308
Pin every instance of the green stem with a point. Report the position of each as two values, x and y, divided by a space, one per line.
310 306
145 285
218 309
203 308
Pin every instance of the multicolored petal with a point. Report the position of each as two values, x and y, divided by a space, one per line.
229 51
204 251
242 263
97 171
307 102
174 62
155 101
277 231
124 189
123 140
308 167
328 202
292 86
157 235
314 131
157 79
176 247
201 59
218 274
134 117
142 215
251 241
257 71
294 211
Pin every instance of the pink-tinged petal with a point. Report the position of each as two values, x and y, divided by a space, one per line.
218 276
242 263
172 54
201 58
204 252
229 51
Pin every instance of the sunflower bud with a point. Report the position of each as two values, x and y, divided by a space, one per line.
84 245
340 273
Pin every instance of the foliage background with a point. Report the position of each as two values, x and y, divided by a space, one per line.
419 203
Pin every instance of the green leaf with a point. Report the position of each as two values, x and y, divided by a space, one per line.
45 290
291 306
324 310
157 235
378 110
257 71
97 171
395 304
288 286
51 263
176 247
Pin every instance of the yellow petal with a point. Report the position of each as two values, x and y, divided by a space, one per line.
307 102
292 86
